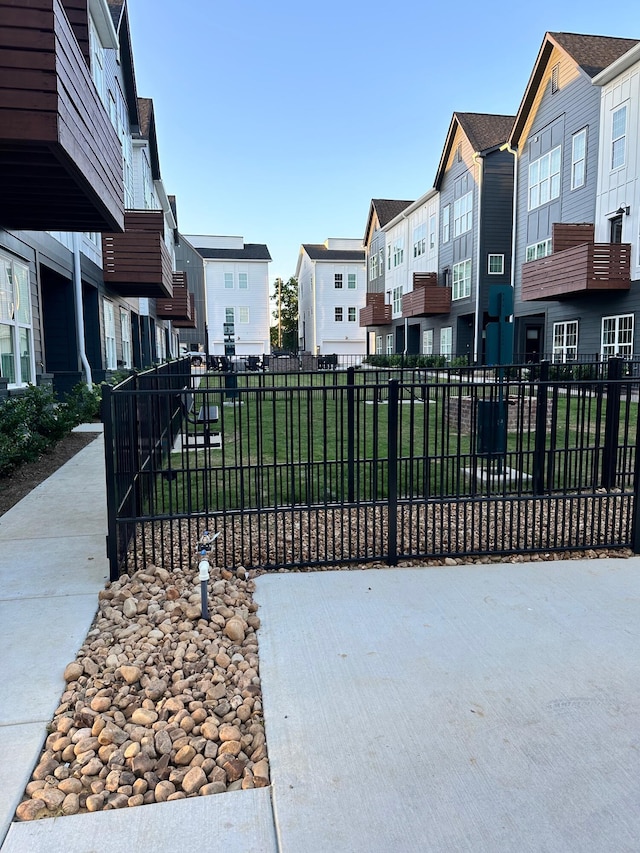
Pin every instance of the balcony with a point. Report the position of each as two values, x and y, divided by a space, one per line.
191 322
583 268
427 298
180 308
375 312
138 263
60 157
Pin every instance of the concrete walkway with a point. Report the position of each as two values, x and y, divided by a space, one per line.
485 708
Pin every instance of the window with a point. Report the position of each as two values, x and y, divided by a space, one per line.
427 342
461 280
432 231
373 266
578 158
147 182
381 262
544 178
615 229
228 281
446 339
565 341
496 265
243 314
351 316
446 216
617 336
398 252
337 281
97 58
419 240
378 344
243 281
161 344
109 335
397 300
618 137
337 314
229 315
462 214
390 344
539 250
351 281
125 334
388 257
16 347
555 78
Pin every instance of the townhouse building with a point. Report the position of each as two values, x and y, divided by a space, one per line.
331 291
236 282
86 230
572 294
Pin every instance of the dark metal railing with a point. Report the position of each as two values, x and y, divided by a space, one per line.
362 465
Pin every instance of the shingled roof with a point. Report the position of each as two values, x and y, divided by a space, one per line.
250 252
388 208
483 130
319 252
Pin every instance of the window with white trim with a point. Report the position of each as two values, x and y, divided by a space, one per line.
229 315
565 341
351 281
446 218
617 336
378 344
462 214
96 53
337 280
427 342
243 314
419 240
446 341
147 182
495 265
388 257
373 266
228 281
161 343
351 314
381 262
397 300
337 314
618 137
243 281
125 334
16 335
578 158
390 344
538 250
398 252
109 335
544 178
461 280
432 231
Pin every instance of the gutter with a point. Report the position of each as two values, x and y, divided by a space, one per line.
77 283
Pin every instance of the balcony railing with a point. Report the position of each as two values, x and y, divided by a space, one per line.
60 157
179 306
375 312
582 269
138 263
191 321
427 297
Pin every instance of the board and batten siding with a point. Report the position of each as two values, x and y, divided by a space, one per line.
252 338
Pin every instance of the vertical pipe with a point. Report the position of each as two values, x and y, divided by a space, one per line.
392 484
77 284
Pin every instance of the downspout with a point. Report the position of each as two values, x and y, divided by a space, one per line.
315 309
77 282
479 161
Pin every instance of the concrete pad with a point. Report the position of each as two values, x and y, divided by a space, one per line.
39 638
237 822
20 748
471 708
74 565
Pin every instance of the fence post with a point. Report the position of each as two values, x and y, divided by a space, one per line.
106 414
351 435
392 482
541 429
635 520
611 423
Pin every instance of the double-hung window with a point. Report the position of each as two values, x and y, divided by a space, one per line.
243 281
125 334
373 266
617 336
461 280
109 335
446 218
398 252
419 240
351 314
16 340
228 281
378 344
243 314
565 341
462 214
578 158
397 299
337 281
618 137
351 281
337 314
544 178
390 344
432 232
446 341
427 342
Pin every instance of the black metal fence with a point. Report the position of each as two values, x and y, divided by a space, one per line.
364 465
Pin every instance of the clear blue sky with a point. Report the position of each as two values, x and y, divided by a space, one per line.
280 121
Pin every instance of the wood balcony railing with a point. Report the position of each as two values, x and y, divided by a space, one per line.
192 321
178 308
427 297
60 157
581 269
375 312
138 263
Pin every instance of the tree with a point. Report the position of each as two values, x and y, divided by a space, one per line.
284 335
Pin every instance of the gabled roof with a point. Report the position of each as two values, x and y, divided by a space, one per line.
319 252
591 54
385 209
250 252
485 131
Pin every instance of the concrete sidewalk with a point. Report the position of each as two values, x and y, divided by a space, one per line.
487 708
